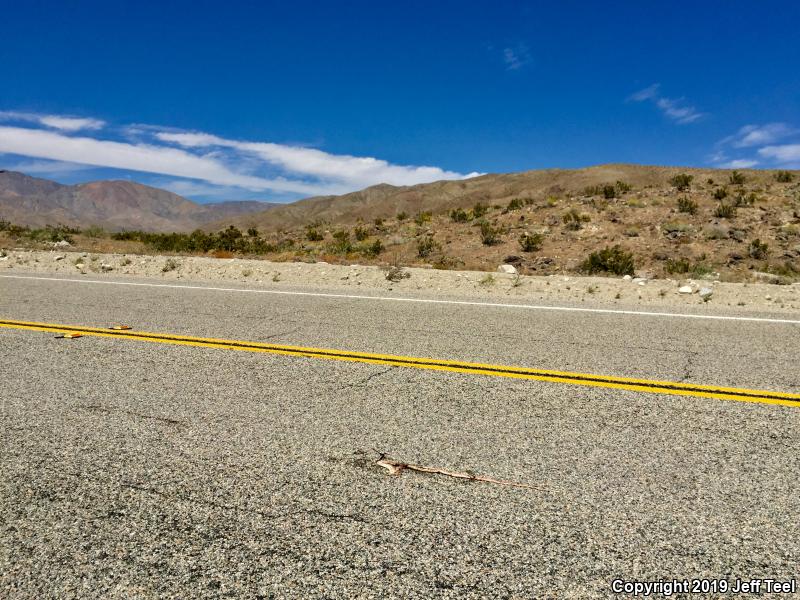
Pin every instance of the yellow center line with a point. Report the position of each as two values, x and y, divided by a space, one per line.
586 379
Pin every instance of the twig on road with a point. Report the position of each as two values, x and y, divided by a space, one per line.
396 467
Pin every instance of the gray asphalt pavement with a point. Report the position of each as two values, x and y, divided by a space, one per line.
132 469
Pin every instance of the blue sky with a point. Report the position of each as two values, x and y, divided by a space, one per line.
282 100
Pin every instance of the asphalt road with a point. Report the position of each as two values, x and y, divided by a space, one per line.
133 469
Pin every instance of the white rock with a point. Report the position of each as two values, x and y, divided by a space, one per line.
626 277
106 267
705 293
510 269
61 244
686 289
639 280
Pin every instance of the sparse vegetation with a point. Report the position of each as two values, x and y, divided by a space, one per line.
487 280
479 210
422 218
313 234
170 265
687 205
720 193
757 249
784 176
530 242
459 215
737 178
426 246
573 220
397 273
341 242
515 204
402 216
682 182
360 233
610 260
725 211
490 235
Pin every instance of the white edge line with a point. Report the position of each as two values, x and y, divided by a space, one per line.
610 311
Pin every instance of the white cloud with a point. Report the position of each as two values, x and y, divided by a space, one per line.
203 157
53 121
785 153
739 163
136 157
46 167
516 57
673 108
354 171
757 135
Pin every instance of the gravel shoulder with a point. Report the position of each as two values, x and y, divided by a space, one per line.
359 279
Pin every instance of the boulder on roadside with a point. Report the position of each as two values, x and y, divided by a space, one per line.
509 269
685 289
706 293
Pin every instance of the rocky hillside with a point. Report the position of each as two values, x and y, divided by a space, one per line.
672 221
114 205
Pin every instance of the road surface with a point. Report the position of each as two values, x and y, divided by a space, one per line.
140 468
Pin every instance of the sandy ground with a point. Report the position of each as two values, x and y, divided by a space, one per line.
430 282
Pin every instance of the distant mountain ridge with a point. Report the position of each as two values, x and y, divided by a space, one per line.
114 205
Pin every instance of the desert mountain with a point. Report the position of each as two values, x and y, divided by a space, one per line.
114 205
386 201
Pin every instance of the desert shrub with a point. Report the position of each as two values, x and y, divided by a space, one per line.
737 178
784 177
426 246
402 216
515 204
623 187
396 273
720 193
609 260
609 191
479 210
632 231
757 249
459 215
687 205
313 234
530 242
552 201
252 232
743 199
360 233
422 218
170 265
573 220
682 181
95 231
725 211
490 235
379 223
676 227
678 265
373 249
341 242
4 225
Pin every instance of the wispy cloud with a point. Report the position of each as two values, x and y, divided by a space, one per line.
50 168
64 123
214 160
673 108
746 141
758 135
516 57
785 153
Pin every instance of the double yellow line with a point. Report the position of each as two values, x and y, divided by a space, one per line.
586 379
